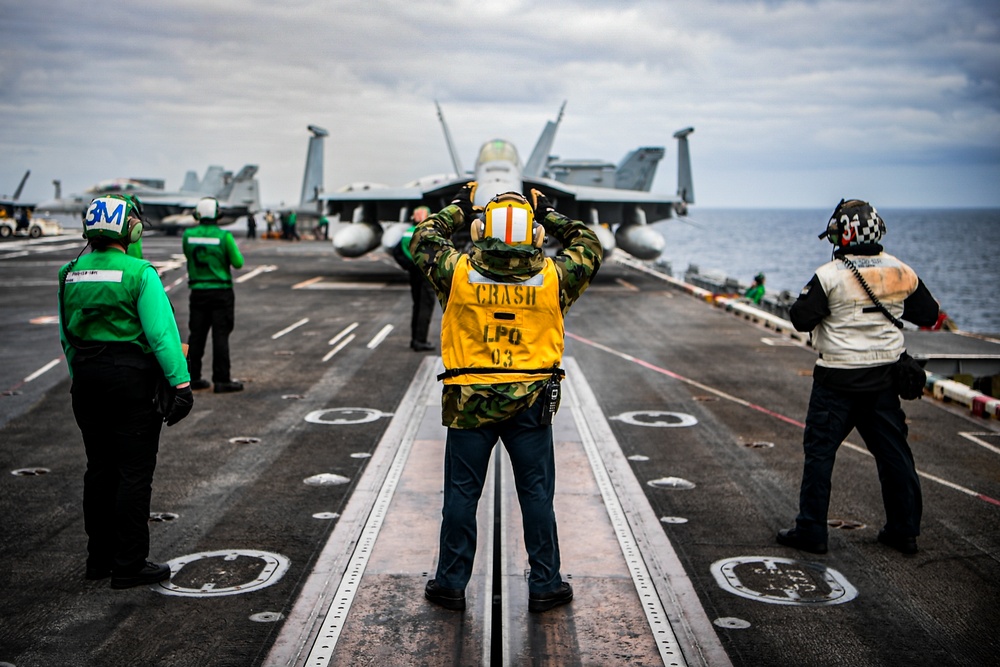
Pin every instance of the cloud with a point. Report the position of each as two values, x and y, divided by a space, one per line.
782 94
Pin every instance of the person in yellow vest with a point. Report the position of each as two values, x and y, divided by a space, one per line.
121 342
502 341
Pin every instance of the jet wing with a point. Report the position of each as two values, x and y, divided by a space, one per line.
612 206
374 203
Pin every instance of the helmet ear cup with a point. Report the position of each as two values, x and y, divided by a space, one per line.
476 229
833 231
538 238
134 231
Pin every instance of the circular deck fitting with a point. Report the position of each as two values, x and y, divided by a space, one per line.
244 440
783 581
348 416
325 515
326 479
758 444
731 623
10 392
30 472
267 617
161 517
845 524
671 483
704 398
292 396
658 418
218 573
284 353
361 455
638 457
673 519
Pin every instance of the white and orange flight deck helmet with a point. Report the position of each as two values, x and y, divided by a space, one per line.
509 218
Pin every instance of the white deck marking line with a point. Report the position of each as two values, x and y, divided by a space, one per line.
173 284
289 328
307 283
659 625
44 369
777 415
410 414
264 268
344 343
982 443
379 337
346 330
669 597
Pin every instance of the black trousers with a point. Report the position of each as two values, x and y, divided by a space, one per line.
113 406
211 309
423 306
882 424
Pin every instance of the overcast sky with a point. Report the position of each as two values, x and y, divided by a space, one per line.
794 103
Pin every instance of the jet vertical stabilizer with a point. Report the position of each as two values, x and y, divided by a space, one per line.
312 180
455 161
191 182
638 168
242 190
20 186
539 158
685 185
213 182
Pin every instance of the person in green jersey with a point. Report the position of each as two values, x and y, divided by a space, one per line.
421 291
211 252
756 291
121 342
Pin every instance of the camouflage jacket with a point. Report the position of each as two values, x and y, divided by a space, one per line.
471 406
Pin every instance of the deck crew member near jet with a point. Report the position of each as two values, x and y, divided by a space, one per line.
853 385
118 331
502 341
210 252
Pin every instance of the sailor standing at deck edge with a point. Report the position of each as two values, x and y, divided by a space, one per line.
853 306
502 343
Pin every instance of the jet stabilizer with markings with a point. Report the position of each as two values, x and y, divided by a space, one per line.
614 200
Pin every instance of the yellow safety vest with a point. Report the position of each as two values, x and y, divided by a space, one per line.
501 327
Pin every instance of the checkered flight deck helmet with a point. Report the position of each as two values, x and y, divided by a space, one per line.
115 217
854 222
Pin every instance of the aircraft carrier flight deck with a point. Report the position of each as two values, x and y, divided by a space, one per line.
300 516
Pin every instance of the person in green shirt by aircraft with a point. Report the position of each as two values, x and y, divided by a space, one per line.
211 253
128 373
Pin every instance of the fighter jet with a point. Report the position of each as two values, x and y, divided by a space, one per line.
170 211
619 208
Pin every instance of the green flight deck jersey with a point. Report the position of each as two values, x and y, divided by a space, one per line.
110 297
210 251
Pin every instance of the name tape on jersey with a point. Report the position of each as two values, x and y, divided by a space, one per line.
94 276
203 240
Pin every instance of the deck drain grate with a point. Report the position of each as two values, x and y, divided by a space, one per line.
162 517
758 444
845 524
244 440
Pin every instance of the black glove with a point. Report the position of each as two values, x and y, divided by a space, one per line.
463 200
541 204
181 406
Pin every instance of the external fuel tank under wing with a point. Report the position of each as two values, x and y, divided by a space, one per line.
370 214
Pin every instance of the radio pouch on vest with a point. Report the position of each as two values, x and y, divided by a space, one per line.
551 393
908 377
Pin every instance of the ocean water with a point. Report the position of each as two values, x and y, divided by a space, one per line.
956 252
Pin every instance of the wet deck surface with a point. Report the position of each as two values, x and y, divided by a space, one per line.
667 390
